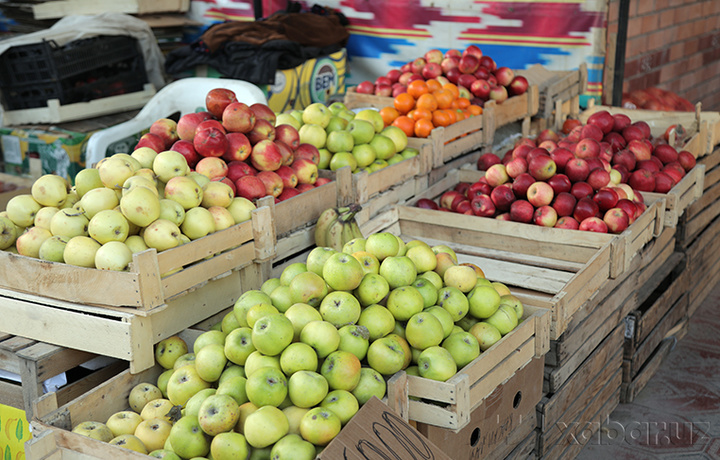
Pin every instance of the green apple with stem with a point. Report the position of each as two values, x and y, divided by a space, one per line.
267 386
405 301
298 356
371 384
436 363
322 336
378 320
272 333
463 346
354 339
340 307
307 388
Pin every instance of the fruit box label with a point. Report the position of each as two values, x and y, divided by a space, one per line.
59 151
377 432
14 432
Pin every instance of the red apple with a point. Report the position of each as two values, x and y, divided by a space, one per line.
561 156
518 86
665 153
540 194
383 80
616 141
152 141
453 75
426 203
165 129
450 198
560 183
569 124
482 73
432 70
606 198
288 176
548 145
186 149
263 112
567 222
663 182
322 181
593 224
504 75
521 184
581 190
239 147
286 152
686 160
498 94
537 151
642 180
187 123
640 149
250 187
632 132
288 134
305 170
487 61
616 219
480 88
466 80
468 64
217 99
648 165
302 188
564 204
210 142
365 87
479 187
644 127
502 196
287 193
620 122
483 206
577 170
266 156
625 158
587 148
629 207
272 181
463 207
449 63
486 160
592 132
515 167
603 120
521 211
522 150
383 90
309 152
262 130
598 178
238 169
474 50
496 175
545 216
238 118
542 167
455 53
417 65
585 207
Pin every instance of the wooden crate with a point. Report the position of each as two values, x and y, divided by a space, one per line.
558 93
152 279
450 404
713 122
602 312
36 362
22 185
501 421
59 9
695 140
578 408
703 264
525 449
591 258
705 209
682 195
56 113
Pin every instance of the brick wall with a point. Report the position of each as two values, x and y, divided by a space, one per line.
672 44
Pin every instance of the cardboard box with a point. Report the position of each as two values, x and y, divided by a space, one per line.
313 81
60 148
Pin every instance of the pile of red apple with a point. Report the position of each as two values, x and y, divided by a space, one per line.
656 99
240 145
477 76
591 179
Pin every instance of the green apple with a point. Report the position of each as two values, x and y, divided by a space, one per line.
163 380
265 426
94 430
293 447
290 271
287 119
409 152
130 442
373 116
256 360
267 386
218 414
514 302
354 339
342 272
423 257
246 301
229 323
229 446
445 318
208 337
369 262
184 360
184 383
272 333
484 302
320 426
294 415
446 249
444 261
210 362
141 394
434 278
239 345
454 301
436 363
362 131
317 113
341 369
235 388
396 135
462 277
299 315
467 322
395 159
309 288
463 346
168 350
187 438
377 165
337 107
192 406
371 384
313 134
486 334
364 154
232 370
343 403
165 454
325 157
398 271
269 285
341 159
339 141
405 301
382 245
322 336
427 290
336 124
384 147
123 422
501 288
504 319
258 311
317 257
423 330
307 388
378 320
386 356
298 356
340 307
354 245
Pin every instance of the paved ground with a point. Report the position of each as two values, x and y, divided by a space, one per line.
677 415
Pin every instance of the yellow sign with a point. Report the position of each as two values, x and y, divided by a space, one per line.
14 432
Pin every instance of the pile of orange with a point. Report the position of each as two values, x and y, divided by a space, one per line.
426 105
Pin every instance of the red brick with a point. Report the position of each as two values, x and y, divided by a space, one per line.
676 51
649 23
690 47
634 27
645 6
635 46
658 40
667 18
613 12
695 62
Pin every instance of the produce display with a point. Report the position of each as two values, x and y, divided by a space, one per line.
361 140
296 359
591 178
477 76
337 226
656 99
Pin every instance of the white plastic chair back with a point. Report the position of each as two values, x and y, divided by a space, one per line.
186 95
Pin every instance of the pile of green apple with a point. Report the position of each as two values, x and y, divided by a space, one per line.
293 361
126 204
345 138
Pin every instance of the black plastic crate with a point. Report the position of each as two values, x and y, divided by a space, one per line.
80 71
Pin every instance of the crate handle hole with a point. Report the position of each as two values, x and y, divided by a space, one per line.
517 399
475 437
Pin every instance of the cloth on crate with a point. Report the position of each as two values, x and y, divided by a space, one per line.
77 27
254 51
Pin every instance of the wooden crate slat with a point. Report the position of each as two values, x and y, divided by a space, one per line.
58 9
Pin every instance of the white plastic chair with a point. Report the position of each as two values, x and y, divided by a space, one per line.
185 96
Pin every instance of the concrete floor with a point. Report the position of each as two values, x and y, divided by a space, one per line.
677 415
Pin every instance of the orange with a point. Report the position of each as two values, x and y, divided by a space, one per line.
452 88
444 98
405 123
441 118
389 114
460 114
423 127
475 109
420 113
417 88
452 114
427 101
433 85
404 102
462 102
